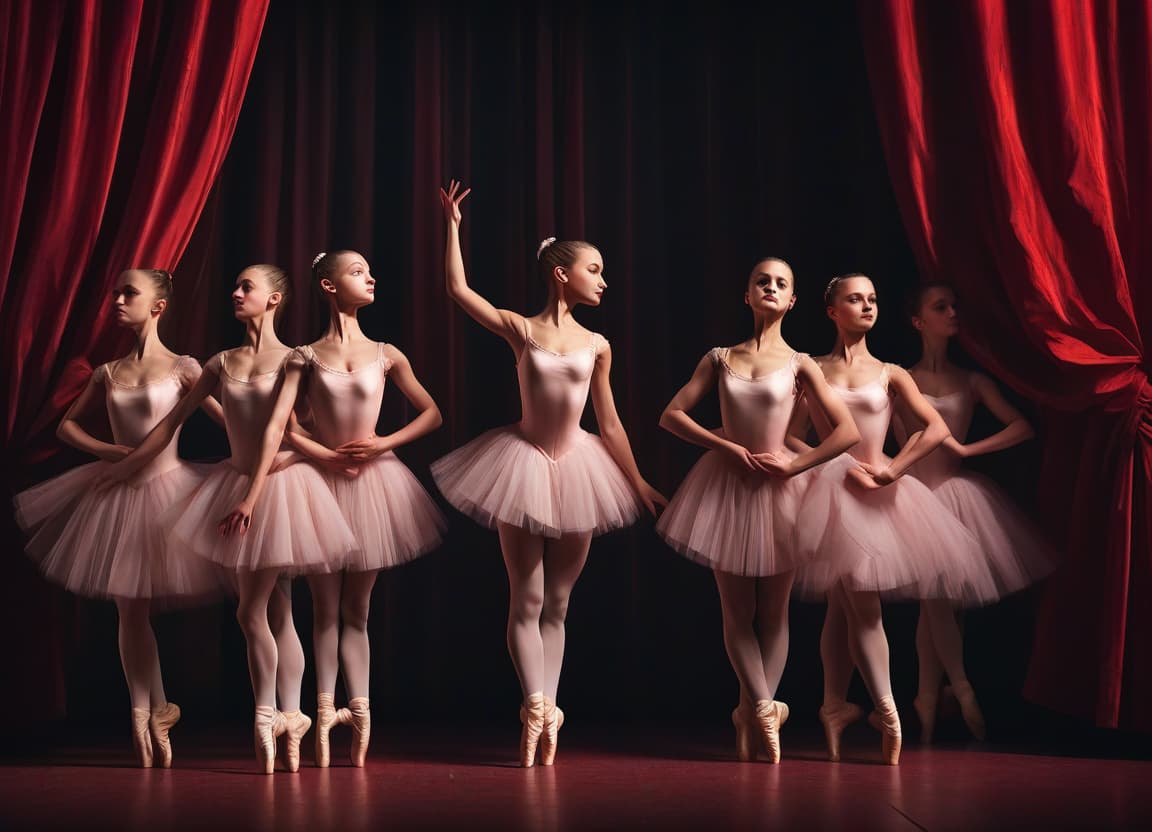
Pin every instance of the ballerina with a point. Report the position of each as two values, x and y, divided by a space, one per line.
392 516
257 519
738 507
887 534
1009 542
545 484
110 544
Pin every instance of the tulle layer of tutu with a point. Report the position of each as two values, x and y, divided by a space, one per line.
297 526
112 543
899 541
392 517
500 477
737 521
1010 543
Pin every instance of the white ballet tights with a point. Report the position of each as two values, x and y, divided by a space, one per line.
138 654
252 613
854 634
541 574
289 650
755 614
340 603
939 647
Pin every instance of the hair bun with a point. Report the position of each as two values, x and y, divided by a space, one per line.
547 241
318 258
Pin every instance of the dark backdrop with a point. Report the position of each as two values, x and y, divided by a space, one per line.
686 146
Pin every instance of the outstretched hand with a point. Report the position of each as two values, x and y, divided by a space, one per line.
451 200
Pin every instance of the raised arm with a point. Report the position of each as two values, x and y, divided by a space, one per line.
74 434
675 418
426 421
240 517
159 437
613 434
505 323
843 433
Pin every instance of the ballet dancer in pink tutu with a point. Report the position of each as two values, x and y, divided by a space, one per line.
544 483
392 516
1009 542
737 510
256 514
886 535
110 544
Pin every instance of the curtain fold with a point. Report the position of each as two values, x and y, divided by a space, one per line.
1017 139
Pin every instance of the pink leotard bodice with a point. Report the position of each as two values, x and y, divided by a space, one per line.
248 405
553 393
871 409
755 412
134 409
345 404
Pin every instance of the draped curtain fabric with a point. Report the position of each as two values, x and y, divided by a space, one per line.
1017 138
116 120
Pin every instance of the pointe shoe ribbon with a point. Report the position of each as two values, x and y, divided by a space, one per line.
327 717
141 738
890 727
532 719
361 720
160 722
553 720
836 716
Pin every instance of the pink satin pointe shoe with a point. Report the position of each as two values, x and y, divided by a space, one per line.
532 719
889 721
160 723
837 716
925 707
361 721
553 720
970 709
141 738
266 728
749 740
327 717
295 724
771 716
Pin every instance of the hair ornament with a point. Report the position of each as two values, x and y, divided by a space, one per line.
318 258
547 241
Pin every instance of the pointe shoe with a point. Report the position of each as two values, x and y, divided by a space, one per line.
266 728
925 707
327 717
836 717
295 724
890 728
553 720
532 718
141 739
970 709
748 737
361 729
160 723
770 716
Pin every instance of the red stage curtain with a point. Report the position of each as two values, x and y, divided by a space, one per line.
1018 141
116 120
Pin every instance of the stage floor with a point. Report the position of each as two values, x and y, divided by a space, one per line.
605 778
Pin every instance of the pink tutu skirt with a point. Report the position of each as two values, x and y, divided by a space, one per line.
898 541
111 543
392 517
500 477
297 527
736 521
1010 544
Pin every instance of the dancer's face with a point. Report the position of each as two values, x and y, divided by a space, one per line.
253 295
771 290
134 299
937 313
585 277
352 282
854 308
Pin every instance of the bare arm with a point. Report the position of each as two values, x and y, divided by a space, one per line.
930 437
799 427
1016 428
508 325
613 434
71 432
425 422
843 434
